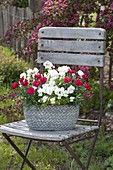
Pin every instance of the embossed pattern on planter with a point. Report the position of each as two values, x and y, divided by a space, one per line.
62 117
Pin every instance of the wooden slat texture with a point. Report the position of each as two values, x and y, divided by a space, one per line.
21 129
72 59
72 46
75 46
71 32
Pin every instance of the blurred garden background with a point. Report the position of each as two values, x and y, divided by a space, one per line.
20 21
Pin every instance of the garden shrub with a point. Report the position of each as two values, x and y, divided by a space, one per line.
10 106
10 66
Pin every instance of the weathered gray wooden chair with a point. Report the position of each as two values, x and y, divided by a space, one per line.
71 46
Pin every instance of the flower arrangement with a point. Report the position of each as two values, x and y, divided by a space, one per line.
62 85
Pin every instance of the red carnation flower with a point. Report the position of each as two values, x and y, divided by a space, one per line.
71 71
36 83
86 85
30 90
43 80
37 76
21 79
24 82
14 85
85 77
78 82
67 79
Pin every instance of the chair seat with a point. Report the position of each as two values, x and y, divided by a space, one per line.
20 128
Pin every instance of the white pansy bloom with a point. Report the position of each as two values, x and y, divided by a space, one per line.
23 75
65 93
40 91
56 90
60 95
80 73
35 70
49 91
52 100
53 73
62 74
70 89
29 72
45 87
63 69
34 87
48 65
72 99
44 98
62 89
52 83
28 78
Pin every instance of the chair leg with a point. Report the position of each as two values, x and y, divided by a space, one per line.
19 151
27 150
74 155
91 151
110 68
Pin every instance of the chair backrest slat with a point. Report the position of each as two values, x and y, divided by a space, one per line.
72 32
73 46
72 59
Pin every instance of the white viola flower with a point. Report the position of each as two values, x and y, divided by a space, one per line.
62 90
45 87
56 90
60 95
72 99
23 75
29 72
53 73
40 91
34 87
52 83
44 98
35 70
49 91
52 100
70 89
80 73
65 93
28 78
62 74
48 65
63 69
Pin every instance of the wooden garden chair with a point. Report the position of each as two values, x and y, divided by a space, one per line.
71 46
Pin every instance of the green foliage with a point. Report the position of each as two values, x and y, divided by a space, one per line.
10 109
20 3
10 66
17 3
